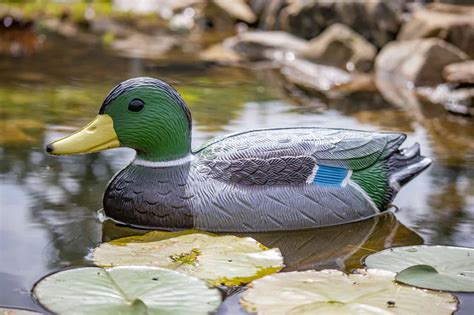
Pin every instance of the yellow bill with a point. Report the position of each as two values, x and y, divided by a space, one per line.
98 135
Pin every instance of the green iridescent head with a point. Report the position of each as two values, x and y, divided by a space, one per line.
144 114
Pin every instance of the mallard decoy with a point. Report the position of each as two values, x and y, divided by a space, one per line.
258 180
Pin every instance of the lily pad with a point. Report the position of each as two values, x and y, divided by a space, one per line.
334 292
431 267
125 290
227 260
16 311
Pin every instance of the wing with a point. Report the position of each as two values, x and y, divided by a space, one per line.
291 155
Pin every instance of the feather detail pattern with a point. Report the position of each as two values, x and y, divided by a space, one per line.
267 180
289 156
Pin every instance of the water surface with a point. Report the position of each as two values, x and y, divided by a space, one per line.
49 204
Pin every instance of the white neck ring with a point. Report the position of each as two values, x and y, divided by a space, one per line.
141 162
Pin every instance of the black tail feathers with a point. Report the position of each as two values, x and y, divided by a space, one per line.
406 164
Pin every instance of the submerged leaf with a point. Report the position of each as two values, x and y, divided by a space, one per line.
431 267
227 260
333 292
125 290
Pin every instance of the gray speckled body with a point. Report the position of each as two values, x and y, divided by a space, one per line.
254 181
181 197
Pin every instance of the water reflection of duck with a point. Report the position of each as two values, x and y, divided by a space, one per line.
337 247
262 180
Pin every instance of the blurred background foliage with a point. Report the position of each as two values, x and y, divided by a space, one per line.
240 64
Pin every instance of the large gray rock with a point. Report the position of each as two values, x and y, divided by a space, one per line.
341 47
419 62
266 45
378 20
314 84
454 24
314 78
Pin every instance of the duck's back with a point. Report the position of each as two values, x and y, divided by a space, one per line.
338 147
296 178
295 155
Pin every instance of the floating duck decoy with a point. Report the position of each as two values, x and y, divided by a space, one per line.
258 180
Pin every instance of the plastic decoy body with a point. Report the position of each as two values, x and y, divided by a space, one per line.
260 180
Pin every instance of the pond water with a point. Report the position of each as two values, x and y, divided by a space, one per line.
49 205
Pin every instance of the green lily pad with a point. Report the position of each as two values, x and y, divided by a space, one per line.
16 311
427 277
125 290
227 260
334 292
431 267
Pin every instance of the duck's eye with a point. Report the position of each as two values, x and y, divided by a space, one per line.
136 105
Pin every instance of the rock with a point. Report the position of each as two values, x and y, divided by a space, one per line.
459 101
419 62
271 45
19 37
68 29
461 72
341 47
314 78
181 22
455 8
402 65
144 46
399 94
109 26
319 86
302 19
454 24
136 6
269 15
460 2
165 8
378 20
237 9
361 83
258 6
223 15
220 54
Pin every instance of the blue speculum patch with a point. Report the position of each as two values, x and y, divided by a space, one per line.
330 176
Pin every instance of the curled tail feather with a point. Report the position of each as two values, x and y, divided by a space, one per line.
406 164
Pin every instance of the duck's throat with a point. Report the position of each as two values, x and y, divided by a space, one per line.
163 150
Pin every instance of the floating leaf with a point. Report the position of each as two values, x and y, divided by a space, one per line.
427 277
227 260
431 267
333 292
16 311
125 290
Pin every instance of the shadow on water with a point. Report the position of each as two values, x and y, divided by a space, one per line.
49 204
336 247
